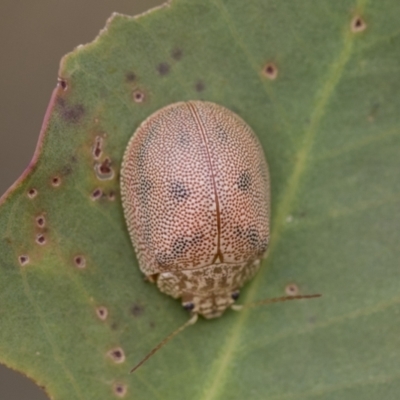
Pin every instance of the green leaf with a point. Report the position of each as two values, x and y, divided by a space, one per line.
330 129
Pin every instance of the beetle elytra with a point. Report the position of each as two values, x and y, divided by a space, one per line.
196 199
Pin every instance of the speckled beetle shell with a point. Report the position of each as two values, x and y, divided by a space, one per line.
195 193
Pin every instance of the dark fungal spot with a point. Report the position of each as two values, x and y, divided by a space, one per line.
163 68
137 310
96 194
270 71
244 181
179 191
40 239
97 148
103 170
56 181
32 193
292 289
62 83
130 76
23 260
138 96
117 355
40 221
358 24
70 113
80 261
199 86
102 312
120 389
176 54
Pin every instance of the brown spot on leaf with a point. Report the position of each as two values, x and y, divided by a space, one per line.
137 310
103 170
102 312
40 239
163 69
56 181
41 221
96 194
200 86
70 113
130 76
97 147
111 196
358 24
80 261
176 54
23 260
62 83
270 71
138 96
292 289
120 389
117 355
32 193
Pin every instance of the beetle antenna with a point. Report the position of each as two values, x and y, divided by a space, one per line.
238 307
191 321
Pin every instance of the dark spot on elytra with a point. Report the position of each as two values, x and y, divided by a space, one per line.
182 244
253 236
244 181
130 76
114 326
137 310
70 113
179 247
176 54
184 139
145 187
221 133
164 260
200 86
179 191
163 68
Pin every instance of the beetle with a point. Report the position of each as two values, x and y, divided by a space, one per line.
196 198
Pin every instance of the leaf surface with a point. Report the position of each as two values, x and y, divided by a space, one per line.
329 125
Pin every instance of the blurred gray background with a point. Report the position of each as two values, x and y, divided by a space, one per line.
34 35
